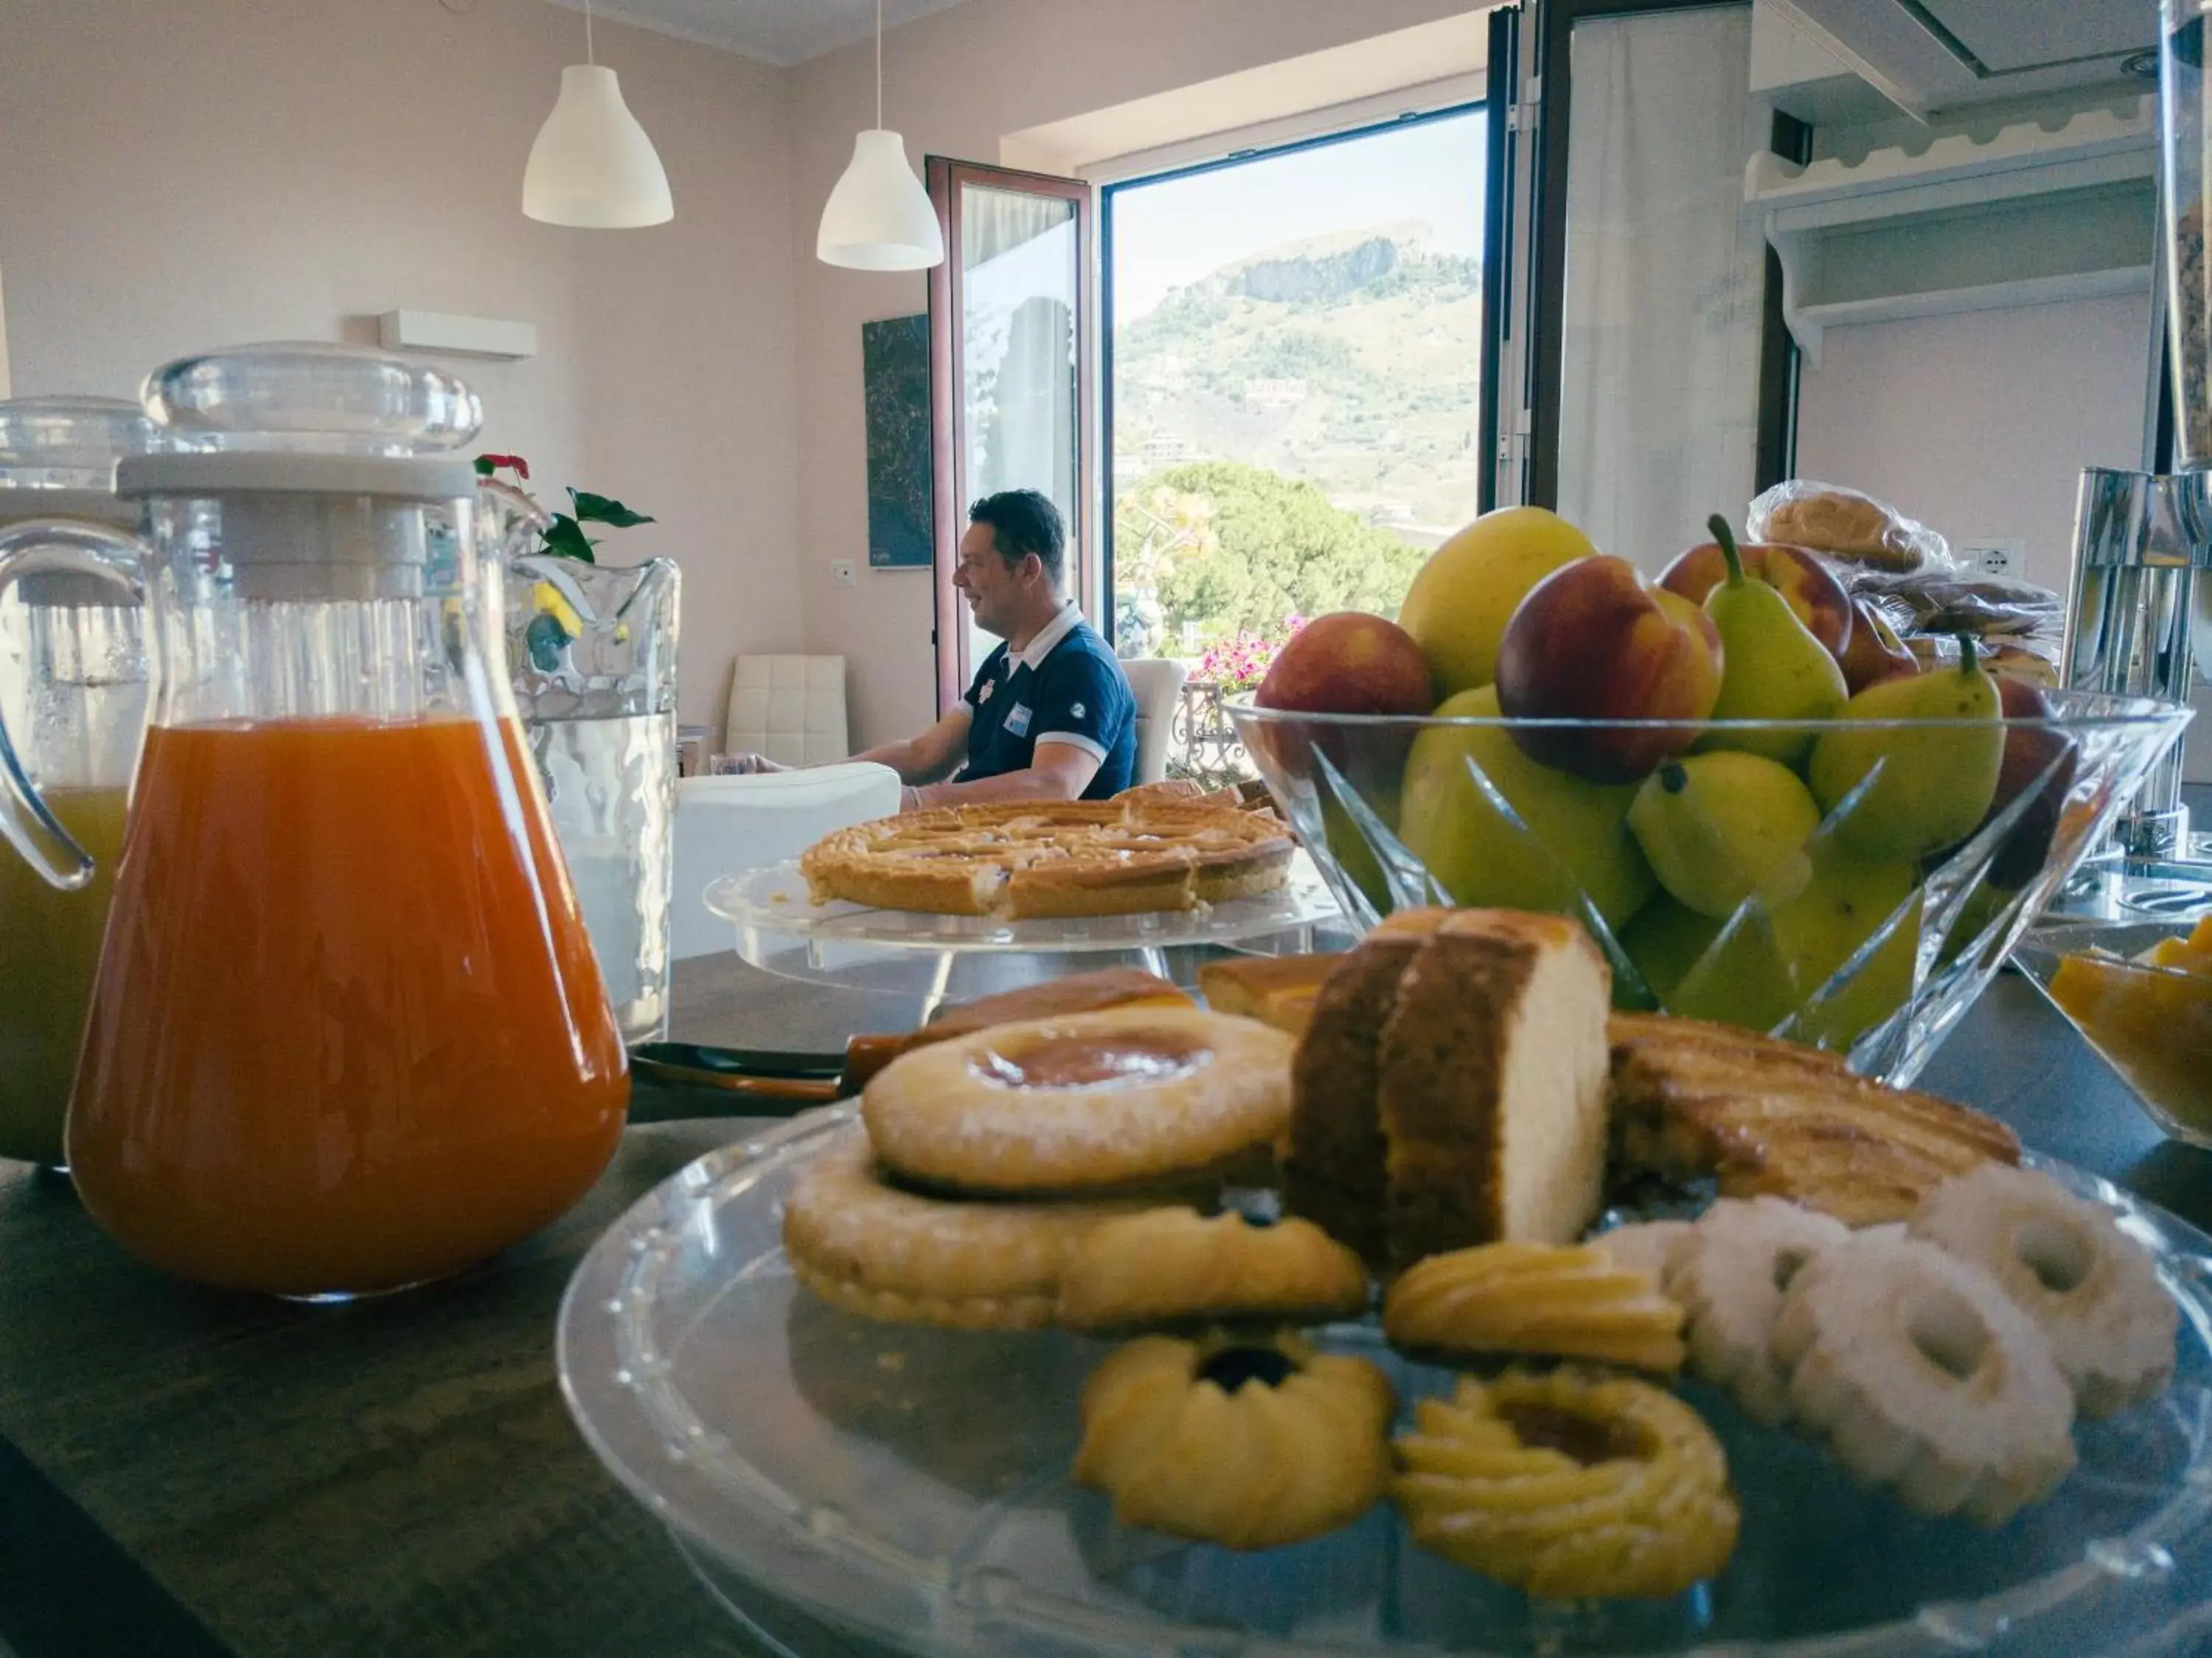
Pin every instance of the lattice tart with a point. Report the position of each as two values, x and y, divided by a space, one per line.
1027 859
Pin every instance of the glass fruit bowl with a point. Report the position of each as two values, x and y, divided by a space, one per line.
2141 994
1849 884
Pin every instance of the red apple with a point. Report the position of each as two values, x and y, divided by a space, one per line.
1594 641
1351 662
1874 652
1813 592
2029 751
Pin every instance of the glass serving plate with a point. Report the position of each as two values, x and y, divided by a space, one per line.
781 929
909 1486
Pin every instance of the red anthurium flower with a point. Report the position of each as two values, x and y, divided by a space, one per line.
489 464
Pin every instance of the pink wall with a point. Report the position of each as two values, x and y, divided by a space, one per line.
181 173
954 83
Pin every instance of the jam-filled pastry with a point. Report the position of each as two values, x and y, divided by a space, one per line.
869 1248
1731 1278
1568 1301
1923 1376
1073 1104
1568 1484
1168 1264
1247 1443
2064 1262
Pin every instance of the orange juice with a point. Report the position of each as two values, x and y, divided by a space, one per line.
49 946
347 1034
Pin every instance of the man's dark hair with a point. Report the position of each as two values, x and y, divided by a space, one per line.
1023 522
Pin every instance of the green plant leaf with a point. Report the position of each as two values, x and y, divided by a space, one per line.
600 509
484 467
566 539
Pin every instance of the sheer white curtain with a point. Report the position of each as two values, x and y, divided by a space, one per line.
1658 417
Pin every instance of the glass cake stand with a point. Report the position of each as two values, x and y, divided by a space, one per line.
782 931
849 1486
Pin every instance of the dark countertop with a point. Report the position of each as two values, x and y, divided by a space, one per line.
185 1472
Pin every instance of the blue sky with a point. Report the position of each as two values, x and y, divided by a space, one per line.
1177 231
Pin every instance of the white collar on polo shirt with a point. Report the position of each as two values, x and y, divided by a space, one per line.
1032 655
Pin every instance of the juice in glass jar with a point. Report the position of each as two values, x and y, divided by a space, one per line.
347 1034
49 946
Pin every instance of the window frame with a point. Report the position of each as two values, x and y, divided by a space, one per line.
1335 126
947 179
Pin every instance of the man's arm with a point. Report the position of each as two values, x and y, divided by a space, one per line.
1056 771
930 757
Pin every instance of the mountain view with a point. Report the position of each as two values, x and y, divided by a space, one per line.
1331 382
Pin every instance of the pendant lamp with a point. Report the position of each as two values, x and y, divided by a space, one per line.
593 166
880 217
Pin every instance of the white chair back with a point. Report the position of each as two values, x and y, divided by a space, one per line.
1157 683
791 709
728 824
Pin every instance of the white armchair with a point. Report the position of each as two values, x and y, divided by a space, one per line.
725 825
791 709
1157 684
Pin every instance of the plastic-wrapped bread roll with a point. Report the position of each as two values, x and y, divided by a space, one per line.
1844 524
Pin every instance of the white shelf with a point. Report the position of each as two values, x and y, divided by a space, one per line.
1872 240
1984 296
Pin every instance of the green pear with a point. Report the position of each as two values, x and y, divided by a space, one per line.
1745 981
1771 666
1716 828
1935 784
1840 907
1578 830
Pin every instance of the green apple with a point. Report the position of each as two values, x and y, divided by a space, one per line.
1481 858
1458 604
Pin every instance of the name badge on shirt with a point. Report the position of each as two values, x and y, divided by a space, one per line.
1017 719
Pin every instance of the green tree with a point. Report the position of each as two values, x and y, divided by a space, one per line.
1233 546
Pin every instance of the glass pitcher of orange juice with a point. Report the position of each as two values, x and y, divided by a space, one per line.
346 1033
73 694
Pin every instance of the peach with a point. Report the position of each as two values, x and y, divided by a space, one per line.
1873 652
1351 662
1813 592
1594 641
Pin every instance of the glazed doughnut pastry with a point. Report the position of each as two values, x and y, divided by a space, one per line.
2065 1263
1073 1104
1923 1376
1731 1281
1166 1263
1568 1484
1250 1443
1570 1301
868 1248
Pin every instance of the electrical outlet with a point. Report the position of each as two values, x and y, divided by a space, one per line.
2004 556
841 572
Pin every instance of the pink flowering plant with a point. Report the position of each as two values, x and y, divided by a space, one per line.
1242 661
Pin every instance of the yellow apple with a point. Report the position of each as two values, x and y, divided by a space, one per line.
1458 604
1448 822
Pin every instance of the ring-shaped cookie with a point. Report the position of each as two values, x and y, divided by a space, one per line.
2065 1263
1169 1263
871 1249
1074 1104
1730 1280
1568 1484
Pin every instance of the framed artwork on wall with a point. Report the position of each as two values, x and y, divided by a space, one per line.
895 368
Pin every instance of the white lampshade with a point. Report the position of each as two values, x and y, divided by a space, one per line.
878 217
593 166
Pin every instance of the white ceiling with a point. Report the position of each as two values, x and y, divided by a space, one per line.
777 31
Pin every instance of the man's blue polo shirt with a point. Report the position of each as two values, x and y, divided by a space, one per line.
1065 687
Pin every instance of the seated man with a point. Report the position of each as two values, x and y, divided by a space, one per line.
1050 715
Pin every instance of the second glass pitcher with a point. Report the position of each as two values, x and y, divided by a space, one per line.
346 1033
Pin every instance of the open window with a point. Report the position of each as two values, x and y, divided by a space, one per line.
1009 381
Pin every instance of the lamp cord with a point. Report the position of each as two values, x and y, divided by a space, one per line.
879 65
588 56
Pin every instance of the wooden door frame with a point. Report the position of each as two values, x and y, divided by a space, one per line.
947 373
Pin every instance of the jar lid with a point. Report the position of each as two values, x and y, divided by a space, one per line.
308 398
70 442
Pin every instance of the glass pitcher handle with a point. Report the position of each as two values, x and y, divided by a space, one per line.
35 547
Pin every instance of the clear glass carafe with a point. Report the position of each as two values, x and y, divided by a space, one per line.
73 696
347 1034
593 651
